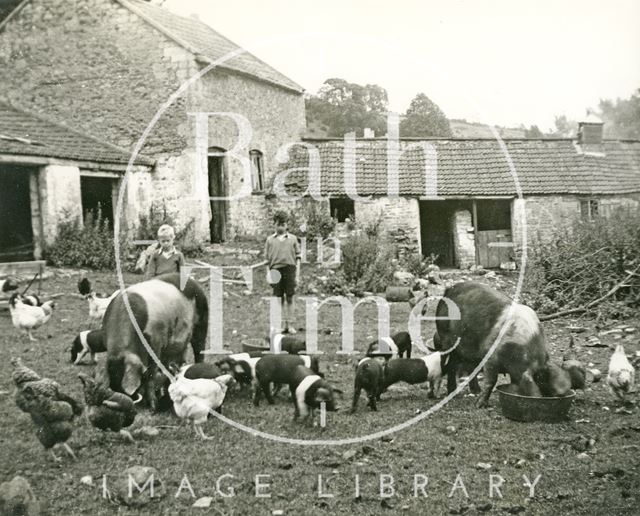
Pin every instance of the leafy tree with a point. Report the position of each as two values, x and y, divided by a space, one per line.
424 118
533 132
565 128
621 117
343 107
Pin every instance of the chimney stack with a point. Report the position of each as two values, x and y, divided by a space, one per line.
590 130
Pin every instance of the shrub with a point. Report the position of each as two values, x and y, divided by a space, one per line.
83 245
419 266
583 263
366 265
319 222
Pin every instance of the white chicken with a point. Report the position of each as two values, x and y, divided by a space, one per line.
621 373
194 399
26 317
97 305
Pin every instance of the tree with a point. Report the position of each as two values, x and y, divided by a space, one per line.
621 117
424 118
565 128
343 107
533 132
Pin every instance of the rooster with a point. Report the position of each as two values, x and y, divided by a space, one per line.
621 373
108 410
97 304
26 317
194 399
51 410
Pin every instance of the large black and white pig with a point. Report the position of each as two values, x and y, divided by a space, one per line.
309 392
483 313
170 318
279 370
370 377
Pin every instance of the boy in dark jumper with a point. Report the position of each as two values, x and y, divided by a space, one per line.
166 258
282 253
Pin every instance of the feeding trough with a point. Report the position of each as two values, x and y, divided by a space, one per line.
532 408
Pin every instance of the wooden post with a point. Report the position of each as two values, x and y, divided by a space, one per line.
475 229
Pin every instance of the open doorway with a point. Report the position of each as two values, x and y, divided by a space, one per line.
97 196
217 168
16 232
436 230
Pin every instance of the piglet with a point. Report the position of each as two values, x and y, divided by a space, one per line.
429 368
310 390
279 369
87 342
369 376
241 366
399 345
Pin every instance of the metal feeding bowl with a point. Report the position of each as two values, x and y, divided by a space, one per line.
529 408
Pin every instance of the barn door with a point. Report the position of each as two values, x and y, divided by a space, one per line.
494 247
217 188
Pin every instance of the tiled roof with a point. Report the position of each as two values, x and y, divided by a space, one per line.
476 167
26 134
202 40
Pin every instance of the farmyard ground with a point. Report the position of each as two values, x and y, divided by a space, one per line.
607 482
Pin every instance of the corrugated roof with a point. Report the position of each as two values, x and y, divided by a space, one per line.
202 40
27 134
476 167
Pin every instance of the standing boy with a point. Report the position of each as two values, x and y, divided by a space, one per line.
282 253
166 258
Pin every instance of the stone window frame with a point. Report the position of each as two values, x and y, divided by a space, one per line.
589 208
256 157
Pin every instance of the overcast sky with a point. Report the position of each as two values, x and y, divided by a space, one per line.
497 62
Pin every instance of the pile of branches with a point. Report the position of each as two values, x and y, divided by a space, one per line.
591 267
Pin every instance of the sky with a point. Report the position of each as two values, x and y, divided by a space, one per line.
496 62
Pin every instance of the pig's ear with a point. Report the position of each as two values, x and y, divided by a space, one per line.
133 370
238 369
322 394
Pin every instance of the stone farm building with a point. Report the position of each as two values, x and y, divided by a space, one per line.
104 68
81 80
477 215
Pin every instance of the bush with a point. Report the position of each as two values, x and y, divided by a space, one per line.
584 263
83 245
418 265
319 222
366 266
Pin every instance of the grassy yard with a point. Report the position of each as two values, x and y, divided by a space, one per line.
449 443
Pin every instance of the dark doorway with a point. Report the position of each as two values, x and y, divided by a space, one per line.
217 188
436 229
97 196
16 233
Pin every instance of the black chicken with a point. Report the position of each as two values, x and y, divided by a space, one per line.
108 410
51 410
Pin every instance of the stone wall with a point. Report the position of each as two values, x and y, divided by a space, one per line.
59 198
463 239
400 220
547 215
96 66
